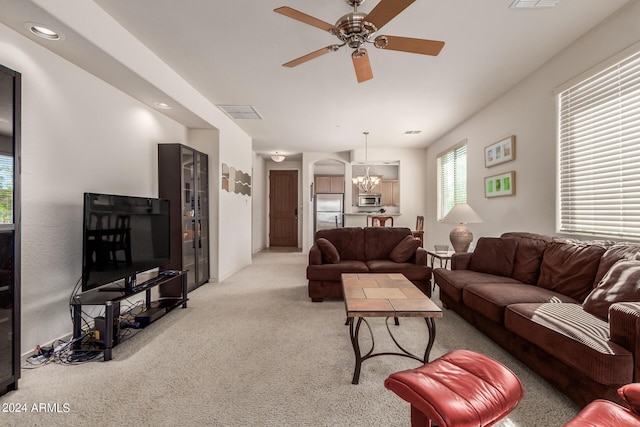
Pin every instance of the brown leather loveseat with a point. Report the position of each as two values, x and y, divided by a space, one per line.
570 310
364 250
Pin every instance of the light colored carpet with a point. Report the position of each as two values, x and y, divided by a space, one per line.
255 351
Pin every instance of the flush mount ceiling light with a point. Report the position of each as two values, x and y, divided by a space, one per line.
42 31
278 157
162 105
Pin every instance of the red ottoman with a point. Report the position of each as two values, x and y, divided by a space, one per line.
459 389
603 413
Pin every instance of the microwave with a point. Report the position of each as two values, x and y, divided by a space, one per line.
368 200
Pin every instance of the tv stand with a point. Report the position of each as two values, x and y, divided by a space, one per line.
110 298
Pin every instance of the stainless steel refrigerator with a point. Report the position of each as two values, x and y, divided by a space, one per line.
329 210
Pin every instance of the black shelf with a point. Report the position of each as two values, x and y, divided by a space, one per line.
110 299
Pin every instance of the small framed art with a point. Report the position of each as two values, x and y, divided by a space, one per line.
503 184
500 152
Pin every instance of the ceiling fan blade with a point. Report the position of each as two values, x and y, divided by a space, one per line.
386 10
303 17
408 44
362 65
310 56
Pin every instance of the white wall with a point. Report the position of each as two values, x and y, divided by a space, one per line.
234 211
78 134
259 204
527 111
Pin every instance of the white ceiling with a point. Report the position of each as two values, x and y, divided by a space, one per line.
232 51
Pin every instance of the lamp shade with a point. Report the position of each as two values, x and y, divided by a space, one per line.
462 213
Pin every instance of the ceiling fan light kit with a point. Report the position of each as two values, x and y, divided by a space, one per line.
355 29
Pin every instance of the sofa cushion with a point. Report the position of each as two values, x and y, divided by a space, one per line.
526 264
333 272
620 284
493 255
491 299
405 249
615 253
570 334
349 241
410 270
569 268
452 282
380 241
329 252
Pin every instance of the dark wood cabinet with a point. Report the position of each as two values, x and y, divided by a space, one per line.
183 178
10 83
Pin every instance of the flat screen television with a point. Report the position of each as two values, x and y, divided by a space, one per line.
122 236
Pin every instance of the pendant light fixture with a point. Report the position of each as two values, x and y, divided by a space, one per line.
366 182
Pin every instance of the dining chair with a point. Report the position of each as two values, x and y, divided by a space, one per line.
418 233
381 221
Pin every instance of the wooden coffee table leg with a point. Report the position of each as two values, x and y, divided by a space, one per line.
431 326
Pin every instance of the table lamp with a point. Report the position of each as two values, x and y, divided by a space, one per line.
461 237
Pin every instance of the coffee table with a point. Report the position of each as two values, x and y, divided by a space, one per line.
385 295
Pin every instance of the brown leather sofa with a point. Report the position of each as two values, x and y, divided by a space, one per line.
364 250
568 309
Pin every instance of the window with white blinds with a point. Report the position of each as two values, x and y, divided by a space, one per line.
452 178
599 136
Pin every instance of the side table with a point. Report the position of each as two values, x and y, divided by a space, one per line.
442 256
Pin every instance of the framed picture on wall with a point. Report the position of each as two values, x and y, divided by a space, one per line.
503 184
500 152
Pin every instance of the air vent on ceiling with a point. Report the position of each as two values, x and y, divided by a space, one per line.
240 112
412 132
533 4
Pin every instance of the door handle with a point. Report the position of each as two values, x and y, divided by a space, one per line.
295 213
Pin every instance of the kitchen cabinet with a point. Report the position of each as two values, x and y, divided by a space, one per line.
390 190
183 178
329 183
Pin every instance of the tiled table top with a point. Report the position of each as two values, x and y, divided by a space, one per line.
385 295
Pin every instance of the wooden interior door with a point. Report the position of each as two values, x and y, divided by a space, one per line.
283 208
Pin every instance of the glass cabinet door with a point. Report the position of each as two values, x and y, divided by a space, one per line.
10 82
202 269
188 216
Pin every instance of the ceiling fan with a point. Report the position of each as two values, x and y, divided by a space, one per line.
355 29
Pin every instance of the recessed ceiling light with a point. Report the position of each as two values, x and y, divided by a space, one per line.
43 32
162 105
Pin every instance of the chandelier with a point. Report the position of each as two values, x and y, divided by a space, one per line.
366 182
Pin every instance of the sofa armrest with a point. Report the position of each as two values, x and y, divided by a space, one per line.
421 256
624 330
315 256
461 260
